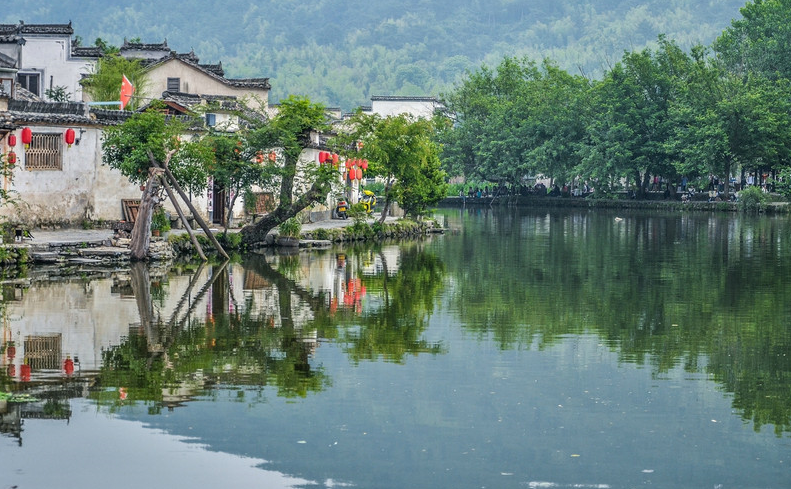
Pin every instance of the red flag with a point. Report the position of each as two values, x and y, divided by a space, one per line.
127 89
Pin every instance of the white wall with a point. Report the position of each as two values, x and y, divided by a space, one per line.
51 57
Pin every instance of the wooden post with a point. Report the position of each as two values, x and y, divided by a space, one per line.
186 200
183 218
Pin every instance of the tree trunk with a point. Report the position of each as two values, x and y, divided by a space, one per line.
141 233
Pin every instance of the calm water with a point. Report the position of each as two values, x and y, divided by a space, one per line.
523 349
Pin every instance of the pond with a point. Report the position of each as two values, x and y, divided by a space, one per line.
524 348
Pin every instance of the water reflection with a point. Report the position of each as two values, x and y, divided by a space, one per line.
164 337
524 347
704 291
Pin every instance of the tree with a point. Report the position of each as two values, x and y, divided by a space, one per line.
628 136
726 119
520 120
232 166
299 182
760 41
104 84
142 148
403 152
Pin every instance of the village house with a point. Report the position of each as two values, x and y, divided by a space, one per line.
60 184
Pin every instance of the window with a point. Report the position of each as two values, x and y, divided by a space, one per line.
45 152
174 84
30 81
211 120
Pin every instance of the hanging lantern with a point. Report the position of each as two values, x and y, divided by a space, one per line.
365 164
359 174
360 145
27 136
68 366
272 156
322 157
12 140
25 372
259 156
335 159
11 158
69 136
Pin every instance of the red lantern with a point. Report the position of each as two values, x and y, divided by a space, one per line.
359 174
259 156
272 156
11 352
11 158
12 140
68 366
25 372
322 157
27 136
69 136
365 164
334 159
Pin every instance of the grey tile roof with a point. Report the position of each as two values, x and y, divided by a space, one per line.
7 61
260 83
22 28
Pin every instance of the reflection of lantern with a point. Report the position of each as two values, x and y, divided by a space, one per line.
25 373
359 174
272 156
27 136
69 136
68 366
11 158
12 140
259 156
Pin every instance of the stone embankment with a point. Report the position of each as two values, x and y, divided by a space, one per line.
101 247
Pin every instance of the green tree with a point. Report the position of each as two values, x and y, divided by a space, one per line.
518 120
628 137
104 84
402 151
726 120
760 41
139 148
232 165
298 182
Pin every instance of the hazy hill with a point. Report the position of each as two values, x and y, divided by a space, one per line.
343 51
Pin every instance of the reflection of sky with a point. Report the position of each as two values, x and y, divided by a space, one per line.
95 450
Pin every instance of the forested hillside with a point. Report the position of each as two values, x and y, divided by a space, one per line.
342 52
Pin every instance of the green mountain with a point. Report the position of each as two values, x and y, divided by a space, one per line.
341 52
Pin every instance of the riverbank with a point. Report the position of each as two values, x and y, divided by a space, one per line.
655 203
103 247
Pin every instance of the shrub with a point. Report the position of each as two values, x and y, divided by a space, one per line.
752 199
291 227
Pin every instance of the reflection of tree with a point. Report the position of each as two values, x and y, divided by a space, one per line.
662 291
395 328
240 348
